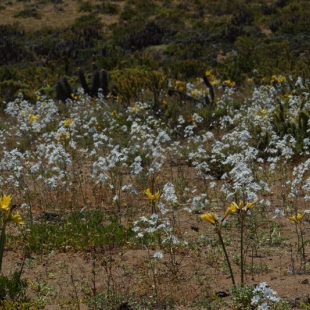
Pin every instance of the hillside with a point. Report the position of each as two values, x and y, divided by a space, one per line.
41 41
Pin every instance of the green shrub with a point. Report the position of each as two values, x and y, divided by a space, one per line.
86 21
86 7
79 230
28 13
13 288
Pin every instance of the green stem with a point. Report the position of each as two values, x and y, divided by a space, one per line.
226 256
2 243
241 251
302 245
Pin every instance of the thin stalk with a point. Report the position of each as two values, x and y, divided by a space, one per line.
2 243
153 270
241 251
226 256
302 245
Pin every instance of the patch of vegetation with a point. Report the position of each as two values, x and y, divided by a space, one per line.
28 13
13 288
78 230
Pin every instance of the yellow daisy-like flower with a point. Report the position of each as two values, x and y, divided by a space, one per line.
209 217
5 202
234 208
33 118
298 218
151 196
229 83
68 122
16 218
115 114
64 136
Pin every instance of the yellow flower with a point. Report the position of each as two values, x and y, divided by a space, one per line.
5 202
298 218
16 218
115 114
228 211
229 83
33 118
64 136
249 205
151 196
264 111
209 217
234 208
210 75
164 102
68 122
189 119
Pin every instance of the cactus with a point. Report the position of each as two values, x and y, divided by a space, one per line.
104 82
95 83
99 80
63 90
83 81
211 91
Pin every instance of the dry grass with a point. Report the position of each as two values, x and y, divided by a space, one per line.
52 15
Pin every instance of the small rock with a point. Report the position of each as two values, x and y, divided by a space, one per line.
221 294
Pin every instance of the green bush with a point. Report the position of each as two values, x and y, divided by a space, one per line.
28 13
86 21
79 230
13 288
86 7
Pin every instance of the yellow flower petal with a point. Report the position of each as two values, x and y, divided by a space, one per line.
234 208
209 217
249 205
228 211
16 218
292 219
151 196
300 216
5 202
68 122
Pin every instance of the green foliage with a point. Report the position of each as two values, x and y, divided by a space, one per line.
28 13
108 8
10 89
130 14
241 297
86 21
13 288
79 230
198 31
86 7
131 82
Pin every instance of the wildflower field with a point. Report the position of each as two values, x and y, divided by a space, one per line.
193 207
172 175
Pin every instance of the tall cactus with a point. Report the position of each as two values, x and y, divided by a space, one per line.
211 91
83 81
63 90
95 81
104 82
99 80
